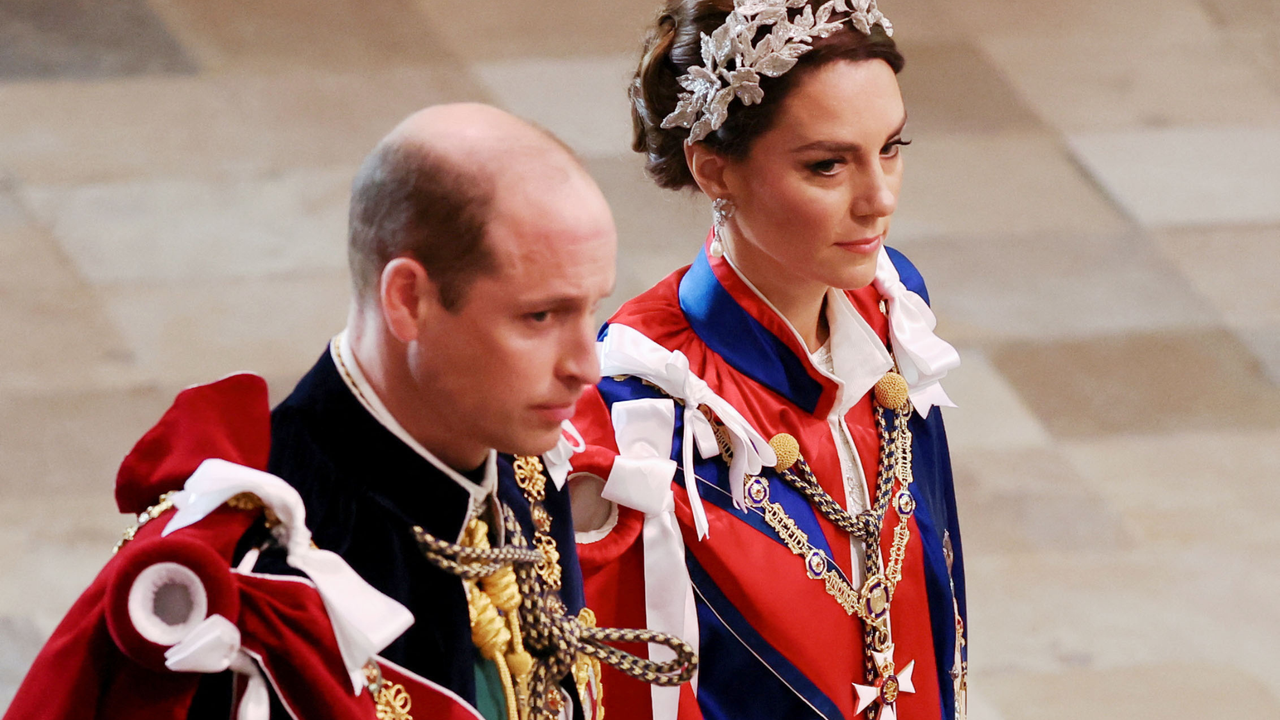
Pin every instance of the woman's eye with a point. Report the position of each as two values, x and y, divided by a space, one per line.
894 148
825 167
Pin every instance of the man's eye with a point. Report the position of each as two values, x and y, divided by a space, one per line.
825 167
894 148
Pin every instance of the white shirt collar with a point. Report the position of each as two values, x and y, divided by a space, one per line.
857 354
340 350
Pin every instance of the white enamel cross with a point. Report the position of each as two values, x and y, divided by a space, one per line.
887 688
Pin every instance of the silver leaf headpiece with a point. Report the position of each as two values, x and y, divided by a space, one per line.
733 62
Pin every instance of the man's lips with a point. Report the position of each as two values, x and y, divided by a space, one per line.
557 412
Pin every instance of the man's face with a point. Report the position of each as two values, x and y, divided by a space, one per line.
506 366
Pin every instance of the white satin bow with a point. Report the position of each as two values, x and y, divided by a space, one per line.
214 646
557 459
627 351
923 357
641 479
364 620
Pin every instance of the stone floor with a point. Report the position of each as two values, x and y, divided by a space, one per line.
1093 192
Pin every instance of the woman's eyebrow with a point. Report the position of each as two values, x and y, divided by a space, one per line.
836 146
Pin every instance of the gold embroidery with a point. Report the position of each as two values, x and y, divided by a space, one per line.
533 482
161 507
394 703
586 673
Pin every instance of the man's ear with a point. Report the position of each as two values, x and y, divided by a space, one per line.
408 296
708 169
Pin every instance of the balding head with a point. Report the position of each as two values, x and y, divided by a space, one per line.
480 249
431 187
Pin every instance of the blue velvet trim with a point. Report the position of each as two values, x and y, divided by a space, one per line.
749 678
732 333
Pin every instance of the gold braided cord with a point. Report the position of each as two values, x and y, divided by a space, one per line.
525 630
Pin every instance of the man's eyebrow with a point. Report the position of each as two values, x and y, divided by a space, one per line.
554 301
836 146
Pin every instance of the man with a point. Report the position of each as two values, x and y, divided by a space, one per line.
479 249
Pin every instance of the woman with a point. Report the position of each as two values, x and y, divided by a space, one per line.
763 475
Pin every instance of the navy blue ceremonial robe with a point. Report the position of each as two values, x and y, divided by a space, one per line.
364 490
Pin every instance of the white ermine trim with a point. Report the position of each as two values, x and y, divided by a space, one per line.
156 623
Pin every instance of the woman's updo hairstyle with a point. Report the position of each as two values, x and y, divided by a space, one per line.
675 44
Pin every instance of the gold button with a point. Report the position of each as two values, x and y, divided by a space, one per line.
787 448
892 391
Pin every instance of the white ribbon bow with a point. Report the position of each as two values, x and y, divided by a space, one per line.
641 479
626 351
923 357
364 620
557 459
214 646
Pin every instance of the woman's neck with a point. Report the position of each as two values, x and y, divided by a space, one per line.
800 300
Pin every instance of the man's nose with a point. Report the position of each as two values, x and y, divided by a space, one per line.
581 363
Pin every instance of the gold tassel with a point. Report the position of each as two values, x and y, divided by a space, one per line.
498 636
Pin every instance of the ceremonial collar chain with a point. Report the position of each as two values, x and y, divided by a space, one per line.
520 623
885 681
733 62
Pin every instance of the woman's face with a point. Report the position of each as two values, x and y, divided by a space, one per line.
816 193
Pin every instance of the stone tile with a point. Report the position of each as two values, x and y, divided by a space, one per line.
1212 489
72 443
989 413
1124 20
217 126
952 87
339 34
1148 692
582 100
1234 267
54 547
1261 45
1099 84
198 330
504 29
60 336
1243 13
1188 176
170 229
1031 500
1141 383
1055 615
658 230
1054 286
49 39
976 186
1264 342
923 21
19 644
1049 612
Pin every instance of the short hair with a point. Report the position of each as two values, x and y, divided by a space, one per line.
407 200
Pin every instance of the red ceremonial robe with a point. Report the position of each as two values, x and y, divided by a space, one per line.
773 642
102 661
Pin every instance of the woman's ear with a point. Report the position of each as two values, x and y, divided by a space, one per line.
708 169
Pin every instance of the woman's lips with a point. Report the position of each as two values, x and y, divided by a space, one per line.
864 246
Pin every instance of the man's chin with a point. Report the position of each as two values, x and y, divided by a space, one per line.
533 443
